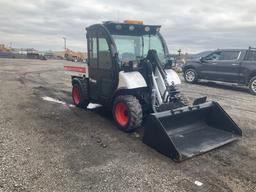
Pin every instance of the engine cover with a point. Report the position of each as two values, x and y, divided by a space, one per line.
131 80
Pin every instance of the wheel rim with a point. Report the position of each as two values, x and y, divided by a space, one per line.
254 86
121 114
190 76
76 95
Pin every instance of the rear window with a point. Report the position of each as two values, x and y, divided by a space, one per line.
229 55
251 56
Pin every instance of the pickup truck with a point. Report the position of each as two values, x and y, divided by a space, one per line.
236 66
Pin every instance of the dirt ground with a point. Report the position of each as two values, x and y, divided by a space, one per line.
53 146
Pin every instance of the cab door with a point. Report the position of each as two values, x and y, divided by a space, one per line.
92 47
106 67
102 76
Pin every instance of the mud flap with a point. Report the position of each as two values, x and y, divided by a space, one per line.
190 131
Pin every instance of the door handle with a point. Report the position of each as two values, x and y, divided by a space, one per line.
214 63
234 64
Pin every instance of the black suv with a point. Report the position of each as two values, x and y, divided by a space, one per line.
226 65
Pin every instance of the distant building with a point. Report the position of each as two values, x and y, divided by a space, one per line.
49 54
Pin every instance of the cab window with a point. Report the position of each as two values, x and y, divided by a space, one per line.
104 54
154 42
93 52
94 48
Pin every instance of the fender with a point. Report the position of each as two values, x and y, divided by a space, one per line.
76 80
172 76
131 80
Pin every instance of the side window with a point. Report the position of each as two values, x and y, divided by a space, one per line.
214 56
251 56
90 47
104 54
93 52
229 55
94 48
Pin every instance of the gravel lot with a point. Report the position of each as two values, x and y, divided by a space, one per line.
49 146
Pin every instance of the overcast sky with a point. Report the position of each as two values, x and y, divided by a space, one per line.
191 25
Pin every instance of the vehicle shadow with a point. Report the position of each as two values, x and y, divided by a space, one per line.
106 113
101 111
224 86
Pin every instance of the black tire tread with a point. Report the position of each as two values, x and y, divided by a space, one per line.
84 94
250 85
196 78
135 110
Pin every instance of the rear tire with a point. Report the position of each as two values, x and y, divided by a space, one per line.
252 85
80 95
127 113
190 76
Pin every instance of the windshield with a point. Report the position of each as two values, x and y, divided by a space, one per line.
136 47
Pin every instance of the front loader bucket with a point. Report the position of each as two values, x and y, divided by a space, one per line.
190 131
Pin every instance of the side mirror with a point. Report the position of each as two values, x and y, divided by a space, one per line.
202 59
168 65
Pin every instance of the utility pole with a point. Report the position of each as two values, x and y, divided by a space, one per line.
65 42
179 51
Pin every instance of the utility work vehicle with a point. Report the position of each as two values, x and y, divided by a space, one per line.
129 71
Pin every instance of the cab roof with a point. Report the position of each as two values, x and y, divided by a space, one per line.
118 28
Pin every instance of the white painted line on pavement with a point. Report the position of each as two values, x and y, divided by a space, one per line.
93 106
50 99
53 100
198 183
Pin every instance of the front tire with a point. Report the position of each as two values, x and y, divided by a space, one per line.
190 76
252 85
127 112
